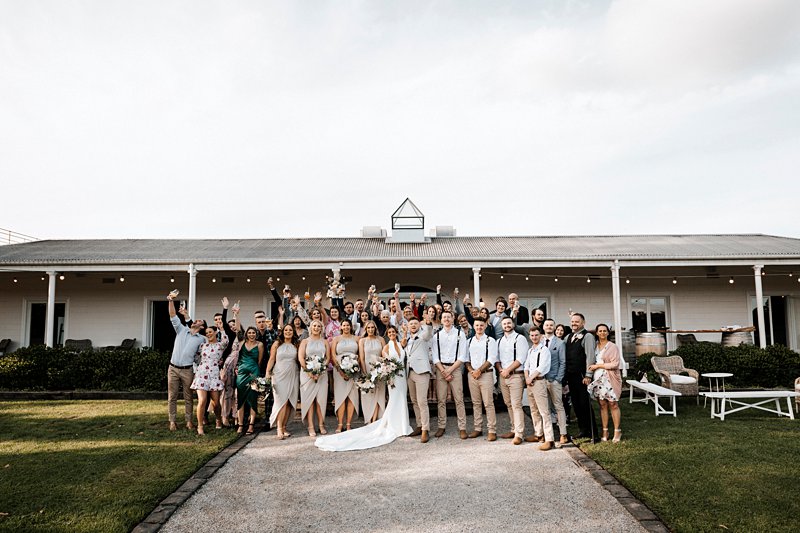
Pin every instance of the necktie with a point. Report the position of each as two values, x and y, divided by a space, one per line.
547 342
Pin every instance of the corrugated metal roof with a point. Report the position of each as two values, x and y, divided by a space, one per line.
631 247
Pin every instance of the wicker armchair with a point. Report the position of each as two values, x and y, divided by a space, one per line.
669 369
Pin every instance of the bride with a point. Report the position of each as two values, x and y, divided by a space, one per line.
394 422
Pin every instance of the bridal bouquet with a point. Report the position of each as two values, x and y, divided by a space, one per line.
261 385
315 364
366 385
388 369
349 365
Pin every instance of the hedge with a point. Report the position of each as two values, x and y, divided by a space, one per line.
43 368
775 366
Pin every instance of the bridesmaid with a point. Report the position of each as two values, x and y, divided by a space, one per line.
250 355
314 388
606 386
369 354
345 390
282 370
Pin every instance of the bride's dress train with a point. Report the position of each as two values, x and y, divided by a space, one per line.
394 422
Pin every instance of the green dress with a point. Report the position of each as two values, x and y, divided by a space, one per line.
248 371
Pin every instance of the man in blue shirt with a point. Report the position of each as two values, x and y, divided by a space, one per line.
558 365
179 373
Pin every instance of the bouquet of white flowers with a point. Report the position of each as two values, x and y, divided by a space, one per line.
349 365
315 364
387 369
261 385
366 385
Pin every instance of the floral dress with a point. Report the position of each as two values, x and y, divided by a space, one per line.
207 375
601 387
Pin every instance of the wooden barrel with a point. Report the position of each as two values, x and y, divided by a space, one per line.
629 347
735 338
651 342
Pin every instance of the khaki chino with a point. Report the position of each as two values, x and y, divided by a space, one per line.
178 378
512 389
481 390
418 391
457 387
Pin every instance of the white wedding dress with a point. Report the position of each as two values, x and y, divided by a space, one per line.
393 423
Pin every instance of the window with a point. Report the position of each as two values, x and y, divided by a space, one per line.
774 319
649 313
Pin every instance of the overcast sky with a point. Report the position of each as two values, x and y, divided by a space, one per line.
233 119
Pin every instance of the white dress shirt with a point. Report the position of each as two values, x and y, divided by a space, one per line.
508 345
479 348
453 346
538 362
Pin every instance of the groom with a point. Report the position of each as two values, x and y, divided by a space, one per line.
449 352
417 346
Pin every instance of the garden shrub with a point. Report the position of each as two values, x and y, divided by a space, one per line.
43 368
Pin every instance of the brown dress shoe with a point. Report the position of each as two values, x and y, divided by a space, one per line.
533 438
439 433
492 437
462 433
475 434
563 440
509 435
516 441
424 438
546 446
416 433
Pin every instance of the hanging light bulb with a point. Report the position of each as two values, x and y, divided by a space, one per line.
172 279
627 281
213 280
61 277
15 280
501 276
122 278
674 281
248 280
526 278
731 280
304 278
588 279
555 279
278 279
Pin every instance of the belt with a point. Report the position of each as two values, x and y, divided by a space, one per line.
519 371
537 379
181 367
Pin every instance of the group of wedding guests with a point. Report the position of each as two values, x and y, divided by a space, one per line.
449 346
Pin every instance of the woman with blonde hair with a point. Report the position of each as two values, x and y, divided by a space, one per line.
314 356
345 390
369 355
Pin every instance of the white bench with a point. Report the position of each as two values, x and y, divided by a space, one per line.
765 397
652 392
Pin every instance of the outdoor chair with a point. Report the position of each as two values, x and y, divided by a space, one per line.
81 345
670 370
4 345
797 389
126 344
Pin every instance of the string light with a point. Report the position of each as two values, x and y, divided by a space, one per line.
122 278
304 278
15 280
588 279
627 281
42 278
61 277
248 280
556 278
172 279
731 280
526 278
213 280
674 281
278 279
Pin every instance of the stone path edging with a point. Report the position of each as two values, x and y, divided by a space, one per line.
631 503
159 516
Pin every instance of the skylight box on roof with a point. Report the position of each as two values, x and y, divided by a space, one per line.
408 224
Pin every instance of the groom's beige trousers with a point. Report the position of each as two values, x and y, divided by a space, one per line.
418 391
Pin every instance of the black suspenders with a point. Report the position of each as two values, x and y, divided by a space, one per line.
458 340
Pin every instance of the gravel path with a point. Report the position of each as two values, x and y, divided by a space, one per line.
447 485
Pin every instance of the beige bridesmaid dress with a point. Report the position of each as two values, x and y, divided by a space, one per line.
311 390
369 400
342 388
285 383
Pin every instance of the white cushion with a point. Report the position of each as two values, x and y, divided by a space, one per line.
678 379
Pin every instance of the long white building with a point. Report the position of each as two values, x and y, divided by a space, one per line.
108 290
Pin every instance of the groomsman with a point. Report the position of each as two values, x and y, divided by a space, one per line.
449 353
417 346
579 347
553 379
536 367
482 352
512 352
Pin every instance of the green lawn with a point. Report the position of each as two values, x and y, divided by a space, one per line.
92 465
699 474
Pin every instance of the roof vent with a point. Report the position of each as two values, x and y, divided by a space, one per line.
408 224
372 232
443 231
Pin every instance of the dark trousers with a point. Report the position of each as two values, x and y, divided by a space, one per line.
581 403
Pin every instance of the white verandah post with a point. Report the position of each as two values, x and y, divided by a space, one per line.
618 315
476 285
762 332
50 321
192 290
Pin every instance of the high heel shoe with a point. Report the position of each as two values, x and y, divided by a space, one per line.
281 434
348 427
339 428
322 430
604 438
250 429
617 435
311 432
